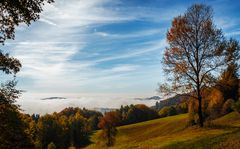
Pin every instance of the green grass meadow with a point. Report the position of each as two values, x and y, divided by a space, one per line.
173 133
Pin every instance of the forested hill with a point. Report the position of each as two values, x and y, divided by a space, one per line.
177 99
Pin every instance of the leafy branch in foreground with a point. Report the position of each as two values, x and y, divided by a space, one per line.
12 14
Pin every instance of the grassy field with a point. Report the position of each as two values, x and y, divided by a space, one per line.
173 133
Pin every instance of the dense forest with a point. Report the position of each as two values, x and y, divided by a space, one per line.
73 126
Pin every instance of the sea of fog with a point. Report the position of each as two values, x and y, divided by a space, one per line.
39 103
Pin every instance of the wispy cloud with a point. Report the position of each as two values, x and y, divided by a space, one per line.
143 33
47 21
233 33
52 50
158 45
124 68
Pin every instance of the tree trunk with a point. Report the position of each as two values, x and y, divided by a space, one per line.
109 136
200 115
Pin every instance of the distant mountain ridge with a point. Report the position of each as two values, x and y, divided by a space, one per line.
53 98
149 98
171 101
104 110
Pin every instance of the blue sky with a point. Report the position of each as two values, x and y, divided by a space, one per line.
104 46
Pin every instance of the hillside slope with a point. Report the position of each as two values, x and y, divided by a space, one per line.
171 132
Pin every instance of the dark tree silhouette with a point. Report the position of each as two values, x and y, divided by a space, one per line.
194 54
9 65
229 79
108 125
12 128
12 14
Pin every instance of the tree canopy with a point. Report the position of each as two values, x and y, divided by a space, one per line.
195 52
13 13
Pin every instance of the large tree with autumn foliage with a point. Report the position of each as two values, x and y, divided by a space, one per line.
195 53
108 125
